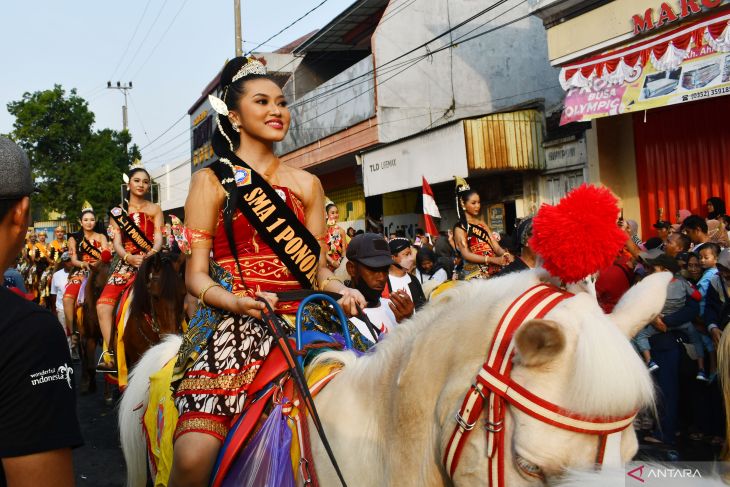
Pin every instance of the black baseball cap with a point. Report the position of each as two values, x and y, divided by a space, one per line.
662 224
15 177
369 249
669 263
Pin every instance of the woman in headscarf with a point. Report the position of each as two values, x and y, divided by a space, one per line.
715 208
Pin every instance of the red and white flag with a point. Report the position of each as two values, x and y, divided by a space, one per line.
430 209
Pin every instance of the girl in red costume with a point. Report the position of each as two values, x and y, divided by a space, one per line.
85 248
483 257
137 235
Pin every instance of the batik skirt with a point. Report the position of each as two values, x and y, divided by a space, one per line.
121 276
75 279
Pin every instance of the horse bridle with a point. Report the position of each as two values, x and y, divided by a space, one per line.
493 388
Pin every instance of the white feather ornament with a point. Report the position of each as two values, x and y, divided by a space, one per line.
218 105
125 177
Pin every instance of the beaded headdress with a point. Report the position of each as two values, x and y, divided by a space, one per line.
137 164
252 67
87 207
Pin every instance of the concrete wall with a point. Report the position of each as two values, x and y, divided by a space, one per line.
174 181
614 137
496 72
332 107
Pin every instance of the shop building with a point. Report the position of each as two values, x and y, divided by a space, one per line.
373 111
652 78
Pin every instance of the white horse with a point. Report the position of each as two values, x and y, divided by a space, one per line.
389 414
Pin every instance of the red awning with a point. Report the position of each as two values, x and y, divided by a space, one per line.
665 51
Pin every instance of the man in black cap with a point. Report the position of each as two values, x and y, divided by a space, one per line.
368 262
38 423
663 229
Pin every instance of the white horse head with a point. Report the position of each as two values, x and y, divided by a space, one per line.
389 415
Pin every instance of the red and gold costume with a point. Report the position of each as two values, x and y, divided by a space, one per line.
213 390
335 243
123 273
480 247
261 268
77 276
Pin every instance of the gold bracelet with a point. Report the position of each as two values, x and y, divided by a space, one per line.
201 296
327 281
124 259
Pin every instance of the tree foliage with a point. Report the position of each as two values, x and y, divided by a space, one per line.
71 162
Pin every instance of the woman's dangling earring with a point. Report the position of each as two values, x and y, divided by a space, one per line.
235 127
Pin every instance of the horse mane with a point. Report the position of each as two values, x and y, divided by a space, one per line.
607 377
169 279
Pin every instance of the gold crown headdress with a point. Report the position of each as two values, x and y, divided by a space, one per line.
461 184
137 164
252 66
87 207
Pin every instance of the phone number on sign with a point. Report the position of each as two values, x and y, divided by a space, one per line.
707 94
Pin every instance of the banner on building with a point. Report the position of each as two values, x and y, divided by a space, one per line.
688 64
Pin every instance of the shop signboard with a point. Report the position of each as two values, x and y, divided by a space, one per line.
202 125
559 156
495 217
704 73
438 156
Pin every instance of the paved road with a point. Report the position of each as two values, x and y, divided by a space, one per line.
99 463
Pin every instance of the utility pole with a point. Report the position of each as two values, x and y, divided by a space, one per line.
124 88
237 17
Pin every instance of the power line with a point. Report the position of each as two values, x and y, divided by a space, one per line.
401 56
129 43
177 136
157 156
134 107
161 38
141 44
416 60
166 131
288 26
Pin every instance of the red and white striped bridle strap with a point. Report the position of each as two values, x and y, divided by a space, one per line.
493 386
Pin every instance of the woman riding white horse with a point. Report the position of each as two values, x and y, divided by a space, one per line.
390 415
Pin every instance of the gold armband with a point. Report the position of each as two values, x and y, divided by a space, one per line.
327 281
201 296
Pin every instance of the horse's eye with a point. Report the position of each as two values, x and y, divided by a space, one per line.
528 468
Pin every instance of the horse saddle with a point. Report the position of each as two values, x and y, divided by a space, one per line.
260 394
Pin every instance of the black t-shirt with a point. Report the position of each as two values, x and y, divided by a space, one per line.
37 396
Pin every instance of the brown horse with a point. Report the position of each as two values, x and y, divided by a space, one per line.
89 331
157 306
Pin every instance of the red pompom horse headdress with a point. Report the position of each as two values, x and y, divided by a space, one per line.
579 236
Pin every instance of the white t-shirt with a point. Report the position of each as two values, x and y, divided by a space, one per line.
381 317
400 284
58 286
437 278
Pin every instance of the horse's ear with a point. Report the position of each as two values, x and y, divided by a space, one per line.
537 342
641 304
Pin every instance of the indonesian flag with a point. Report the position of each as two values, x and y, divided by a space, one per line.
430 209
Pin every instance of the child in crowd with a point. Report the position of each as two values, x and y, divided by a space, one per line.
708 261
680 308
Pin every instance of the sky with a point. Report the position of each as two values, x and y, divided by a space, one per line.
169 49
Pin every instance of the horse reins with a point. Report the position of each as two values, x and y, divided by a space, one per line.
272 321
494 388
